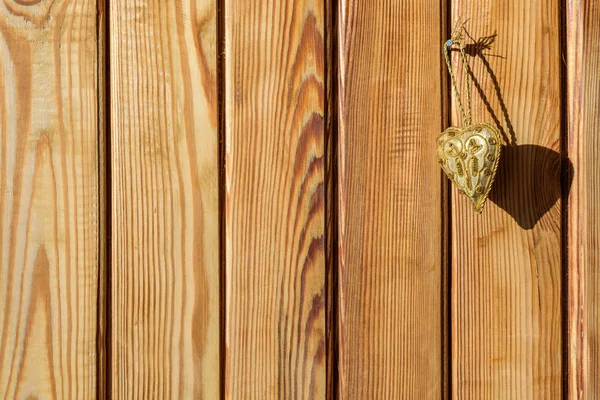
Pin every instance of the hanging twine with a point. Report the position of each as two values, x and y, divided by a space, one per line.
456 39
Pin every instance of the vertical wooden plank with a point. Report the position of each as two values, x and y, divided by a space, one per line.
165 225
275 211
49 198
390 201
506 263
583 105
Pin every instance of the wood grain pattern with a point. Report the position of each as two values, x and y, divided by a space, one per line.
49 198
506 263
275 213
165 225
583 106
390 200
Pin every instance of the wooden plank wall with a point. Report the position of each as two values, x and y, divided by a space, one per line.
235 199
50 203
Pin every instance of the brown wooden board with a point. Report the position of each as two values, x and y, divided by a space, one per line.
583 111
390 200
275 211
506 263
165 213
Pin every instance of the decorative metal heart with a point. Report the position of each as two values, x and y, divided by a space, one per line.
469 157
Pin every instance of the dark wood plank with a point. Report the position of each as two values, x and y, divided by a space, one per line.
331 196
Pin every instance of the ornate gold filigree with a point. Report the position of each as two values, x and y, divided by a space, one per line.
469 157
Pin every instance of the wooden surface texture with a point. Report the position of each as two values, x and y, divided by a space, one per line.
49 199
583 111
390 194
241 199
274 104
50 207
165 298
507 262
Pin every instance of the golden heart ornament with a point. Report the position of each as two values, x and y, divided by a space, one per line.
469 157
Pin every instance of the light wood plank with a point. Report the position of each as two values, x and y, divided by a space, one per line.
275 246
165 225
506 263
583 105
390 202
49 199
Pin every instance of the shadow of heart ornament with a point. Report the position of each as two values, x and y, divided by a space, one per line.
469 157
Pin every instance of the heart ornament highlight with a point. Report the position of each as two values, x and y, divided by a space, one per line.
469 157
